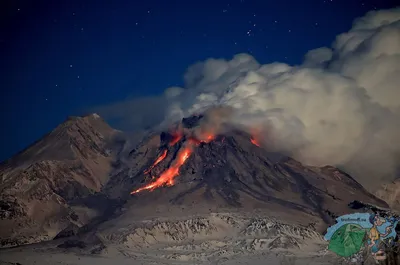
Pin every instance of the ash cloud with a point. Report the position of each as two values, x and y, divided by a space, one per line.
340 107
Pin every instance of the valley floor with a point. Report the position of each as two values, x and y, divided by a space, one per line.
219 238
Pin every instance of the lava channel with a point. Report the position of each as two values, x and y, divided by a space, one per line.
159 159
168 176
254 141
176 137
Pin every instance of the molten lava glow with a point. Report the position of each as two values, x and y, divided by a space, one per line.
175 138
159 159
167 177
205 139
208 138
254 141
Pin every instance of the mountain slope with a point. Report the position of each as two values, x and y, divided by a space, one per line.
205 198
229 168
184 173
390 192
216 190
37 184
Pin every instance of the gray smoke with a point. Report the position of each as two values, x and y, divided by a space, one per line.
340 107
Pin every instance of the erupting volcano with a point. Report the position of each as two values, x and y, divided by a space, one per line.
189 142
229 166
200 167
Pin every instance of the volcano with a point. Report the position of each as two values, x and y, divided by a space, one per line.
198 191
192 166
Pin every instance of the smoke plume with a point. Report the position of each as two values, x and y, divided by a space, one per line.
340 107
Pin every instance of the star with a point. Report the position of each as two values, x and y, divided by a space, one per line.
70 66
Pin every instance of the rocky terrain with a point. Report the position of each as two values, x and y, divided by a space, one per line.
217 238
390 193
39 185
187 195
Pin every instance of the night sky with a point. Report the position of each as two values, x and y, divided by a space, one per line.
61 58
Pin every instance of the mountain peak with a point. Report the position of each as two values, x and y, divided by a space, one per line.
70 162
65 139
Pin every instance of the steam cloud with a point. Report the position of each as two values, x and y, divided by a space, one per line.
340 107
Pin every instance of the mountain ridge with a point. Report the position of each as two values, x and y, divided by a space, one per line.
87 185
36 184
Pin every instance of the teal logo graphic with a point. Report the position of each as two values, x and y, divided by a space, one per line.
354 233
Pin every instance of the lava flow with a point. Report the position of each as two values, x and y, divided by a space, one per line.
254 141
176 137
159 159
167 177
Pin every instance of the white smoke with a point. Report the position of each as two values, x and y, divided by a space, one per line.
340 107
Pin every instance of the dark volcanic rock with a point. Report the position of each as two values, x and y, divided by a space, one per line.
69 231
192 121
233 172
10 208
72 244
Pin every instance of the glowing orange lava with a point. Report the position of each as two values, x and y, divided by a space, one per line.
208 138
254 141
176 137
167 177
204 139
159 159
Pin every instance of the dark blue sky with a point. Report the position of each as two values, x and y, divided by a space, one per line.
60 58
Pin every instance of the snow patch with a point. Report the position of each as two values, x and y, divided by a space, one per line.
96 116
